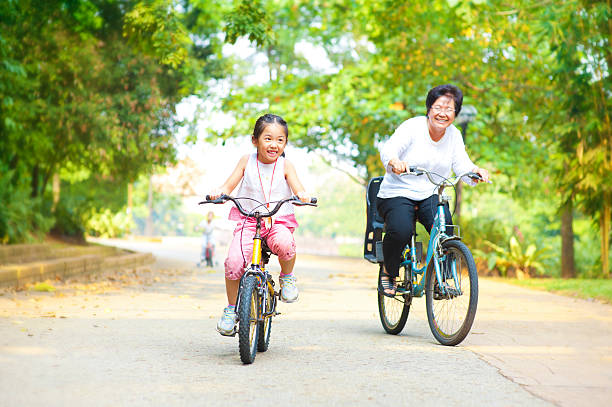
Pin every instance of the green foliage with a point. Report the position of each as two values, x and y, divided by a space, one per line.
68 220
576 287
21 218
91 88
249 18
156 27
43 286
108 224
523 260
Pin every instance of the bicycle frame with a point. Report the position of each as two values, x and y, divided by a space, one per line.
258 268
434 253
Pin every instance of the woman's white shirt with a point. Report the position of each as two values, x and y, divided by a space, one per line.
412 144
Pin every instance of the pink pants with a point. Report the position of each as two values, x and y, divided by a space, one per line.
279 239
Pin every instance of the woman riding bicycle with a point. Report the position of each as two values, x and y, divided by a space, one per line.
266 176
431 142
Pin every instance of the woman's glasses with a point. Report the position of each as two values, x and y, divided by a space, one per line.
439 109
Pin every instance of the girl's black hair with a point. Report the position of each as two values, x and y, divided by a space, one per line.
267 119
445 90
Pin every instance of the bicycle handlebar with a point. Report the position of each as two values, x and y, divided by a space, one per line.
224 198
445 181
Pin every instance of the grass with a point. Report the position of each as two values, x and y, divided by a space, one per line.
575 287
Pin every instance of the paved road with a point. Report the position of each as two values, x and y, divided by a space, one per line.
146 337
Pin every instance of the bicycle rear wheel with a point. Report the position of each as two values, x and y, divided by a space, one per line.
265 326
248 312
393 311
451 315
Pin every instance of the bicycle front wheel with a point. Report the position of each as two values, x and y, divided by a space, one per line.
451 314
248 328
265 326
393 311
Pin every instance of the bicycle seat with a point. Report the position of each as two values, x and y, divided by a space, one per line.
372 246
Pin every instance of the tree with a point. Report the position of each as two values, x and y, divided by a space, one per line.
580 33
90 87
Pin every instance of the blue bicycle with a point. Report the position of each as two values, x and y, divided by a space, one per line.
447 276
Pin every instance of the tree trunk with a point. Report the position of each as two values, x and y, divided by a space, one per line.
56 191
568 266
34 182
604 227
130 193
149 223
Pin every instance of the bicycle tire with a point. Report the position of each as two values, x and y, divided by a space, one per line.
393 311
451 317
265 326
248 313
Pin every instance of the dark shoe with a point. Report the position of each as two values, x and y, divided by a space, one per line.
387 285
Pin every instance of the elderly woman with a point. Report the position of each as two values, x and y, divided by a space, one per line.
430 142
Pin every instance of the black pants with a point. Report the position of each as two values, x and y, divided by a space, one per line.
399 215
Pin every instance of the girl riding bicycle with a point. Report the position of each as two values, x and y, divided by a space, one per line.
266 176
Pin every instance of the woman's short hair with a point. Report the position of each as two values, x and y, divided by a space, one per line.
445 90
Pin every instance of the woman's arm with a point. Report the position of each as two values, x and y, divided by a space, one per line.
233 179
294 182
397 144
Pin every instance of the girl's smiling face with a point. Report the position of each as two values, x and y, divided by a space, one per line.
270 143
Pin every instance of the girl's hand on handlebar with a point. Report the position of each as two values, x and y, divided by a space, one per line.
304 196
215 193
396 166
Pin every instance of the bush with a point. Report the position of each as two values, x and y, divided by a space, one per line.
22 218
67 221
108 224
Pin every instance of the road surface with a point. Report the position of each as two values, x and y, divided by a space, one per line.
147 337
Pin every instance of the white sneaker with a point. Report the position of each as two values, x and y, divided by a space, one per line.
227 324
289 291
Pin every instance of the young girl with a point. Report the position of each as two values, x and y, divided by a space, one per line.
266 176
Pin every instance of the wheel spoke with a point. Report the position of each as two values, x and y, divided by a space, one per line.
393 310
451 313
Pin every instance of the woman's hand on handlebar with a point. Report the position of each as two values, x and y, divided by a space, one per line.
396 166
484 174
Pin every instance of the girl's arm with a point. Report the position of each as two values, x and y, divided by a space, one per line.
294 182
233 179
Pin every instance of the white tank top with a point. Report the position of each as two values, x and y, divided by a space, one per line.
272 187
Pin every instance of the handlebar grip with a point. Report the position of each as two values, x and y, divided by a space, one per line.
219 200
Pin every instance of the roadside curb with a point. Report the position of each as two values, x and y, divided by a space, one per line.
107 258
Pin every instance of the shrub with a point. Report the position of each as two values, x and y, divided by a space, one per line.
108 224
